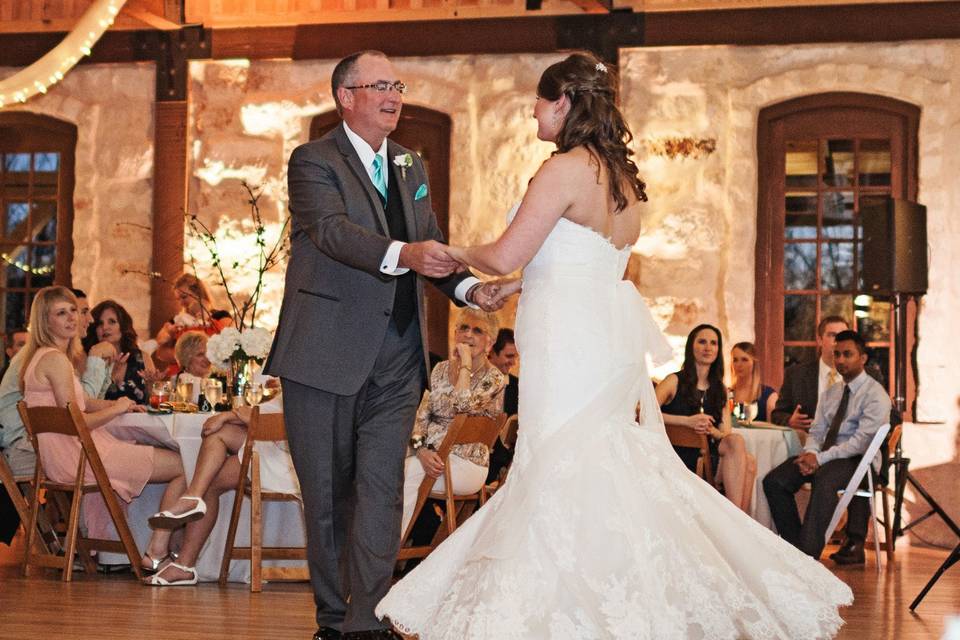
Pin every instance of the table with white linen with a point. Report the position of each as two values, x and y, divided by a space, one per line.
771 446
283 524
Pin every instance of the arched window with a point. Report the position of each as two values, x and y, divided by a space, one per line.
428 133
822 159
36 209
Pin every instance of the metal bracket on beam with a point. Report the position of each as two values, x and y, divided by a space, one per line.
172 51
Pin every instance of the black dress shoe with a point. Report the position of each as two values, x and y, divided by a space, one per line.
326 633
849 553
373 634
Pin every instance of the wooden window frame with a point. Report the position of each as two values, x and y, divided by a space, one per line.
842 111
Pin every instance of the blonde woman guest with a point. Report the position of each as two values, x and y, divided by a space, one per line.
49 379
196 313
748 387
466 383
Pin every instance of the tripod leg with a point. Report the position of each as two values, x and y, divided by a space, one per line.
933 505
949 562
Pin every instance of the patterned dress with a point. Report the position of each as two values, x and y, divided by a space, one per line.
443 402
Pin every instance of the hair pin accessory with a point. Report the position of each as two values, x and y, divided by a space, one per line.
601 67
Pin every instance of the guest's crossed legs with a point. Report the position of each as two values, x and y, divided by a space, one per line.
782 483
348 452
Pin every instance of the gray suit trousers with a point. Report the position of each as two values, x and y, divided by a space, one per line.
348 452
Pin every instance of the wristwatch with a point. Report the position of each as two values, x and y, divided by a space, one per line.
417 442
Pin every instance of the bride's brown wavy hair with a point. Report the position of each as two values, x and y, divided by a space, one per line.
594 121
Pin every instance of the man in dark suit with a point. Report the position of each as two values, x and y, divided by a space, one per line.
504 356
350 348
803 383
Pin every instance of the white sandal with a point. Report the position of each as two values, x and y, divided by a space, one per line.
169 520
156 580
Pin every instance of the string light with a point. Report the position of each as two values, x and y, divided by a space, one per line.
51 68
23 266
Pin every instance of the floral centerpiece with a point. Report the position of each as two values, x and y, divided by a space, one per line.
236 349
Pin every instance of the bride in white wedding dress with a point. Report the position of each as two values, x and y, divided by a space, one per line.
600 531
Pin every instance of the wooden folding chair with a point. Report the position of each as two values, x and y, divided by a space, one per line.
69 421
12 484
889 540
508 436
266 427
463 430
686 437
853 490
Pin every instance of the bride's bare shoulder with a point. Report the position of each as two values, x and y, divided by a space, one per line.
575 163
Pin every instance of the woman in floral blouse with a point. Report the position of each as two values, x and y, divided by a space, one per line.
466 383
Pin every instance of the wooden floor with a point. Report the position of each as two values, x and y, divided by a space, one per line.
112 607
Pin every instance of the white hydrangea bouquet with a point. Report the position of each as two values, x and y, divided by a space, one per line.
231 347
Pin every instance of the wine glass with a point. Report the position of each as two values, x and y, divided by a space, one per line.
213 391
253 393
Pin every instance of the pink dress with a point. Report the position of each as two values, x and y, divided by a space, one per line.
128 465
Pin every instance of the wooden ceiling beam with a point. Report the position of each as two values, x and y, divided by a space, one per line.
604 33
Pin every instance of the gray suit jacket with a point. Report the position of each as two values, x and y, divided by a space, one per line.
336 302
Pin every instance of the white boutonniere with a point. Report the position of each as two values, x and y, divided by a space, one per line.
403 161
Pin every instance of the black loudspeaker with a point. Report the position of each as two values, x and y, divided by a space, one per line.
894 247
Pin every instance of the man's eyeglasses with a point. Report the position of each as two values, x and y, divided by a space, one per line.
382 86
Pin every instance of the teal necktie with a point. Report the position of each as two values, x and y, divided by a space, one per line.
378 179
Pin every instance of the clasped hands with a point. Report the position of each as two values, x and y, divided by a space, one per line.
436 260
807 462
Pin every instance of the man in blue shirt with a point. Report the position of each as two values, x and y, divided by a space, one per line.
848 415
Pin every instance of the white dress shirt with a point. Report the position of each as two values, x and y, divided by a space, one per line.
391 259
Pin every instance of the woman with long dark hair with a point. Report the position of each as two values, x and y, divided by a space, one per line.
599 532
132 370
696 398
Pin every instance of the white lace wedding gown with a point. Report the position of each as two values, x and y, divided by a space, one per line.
600 531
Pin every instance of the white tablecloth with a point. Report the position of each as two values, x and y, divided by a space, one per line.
770 446
282 521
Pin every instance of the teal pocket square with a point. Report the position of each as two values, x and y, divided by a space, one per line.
421 192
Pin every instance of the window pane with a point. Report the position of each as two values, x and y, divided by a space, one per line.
801 167
15 220
838 305
44 261
873 319
44 219
878 362
838 214
46 162
15 311
874 163
800 265
14 265
799 317
798 355
836 266
801 222
19 162
838 163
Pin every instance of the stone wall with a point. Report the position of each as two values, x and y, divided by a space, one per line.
112 107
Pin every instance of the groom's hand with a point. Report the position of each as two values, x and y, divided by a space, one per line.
427 258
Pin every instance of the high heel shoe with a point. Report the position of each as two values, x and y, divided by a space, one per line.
170 520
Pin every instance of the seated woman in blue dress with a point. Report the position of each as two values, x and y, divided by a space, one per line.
696 398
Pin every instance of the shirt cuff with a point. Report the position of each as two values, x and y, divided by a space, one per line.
461 291
391 258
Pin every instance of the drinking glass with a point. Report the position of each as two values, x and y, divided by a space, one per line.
253 393
185 390
159 393
213 391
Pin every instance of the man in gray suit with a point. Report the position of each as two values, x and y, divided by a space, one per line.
350 348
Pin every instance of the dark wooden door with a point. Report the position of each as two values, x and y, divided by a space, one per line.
428 133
